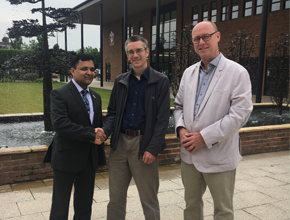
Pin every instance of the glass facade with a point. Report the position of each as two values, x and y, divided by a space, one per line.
167 38
287 4
140 28
130 30
259 4
275 5
235 9
213 12
205 12
194 15
225 10
248 8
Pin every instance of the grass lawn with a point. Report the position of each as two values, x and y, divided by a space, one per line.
27 97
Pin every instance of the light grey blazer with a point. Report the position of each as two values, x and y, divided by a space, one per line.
226 105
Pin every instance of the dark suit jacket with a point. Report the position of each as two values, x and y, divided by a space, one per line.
71 146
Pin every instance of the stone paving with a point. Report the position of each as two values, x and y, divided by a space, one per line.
262 193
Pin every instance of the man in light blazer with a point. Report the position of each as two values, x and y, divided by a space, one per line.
75 111
212 104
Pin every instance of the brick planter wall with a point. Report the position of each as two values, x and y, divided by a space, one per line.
19 164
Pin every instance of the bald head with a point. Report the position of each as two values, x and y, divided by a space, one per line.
205 38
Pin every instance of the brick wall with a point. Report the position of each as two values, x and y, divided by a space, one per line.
21 164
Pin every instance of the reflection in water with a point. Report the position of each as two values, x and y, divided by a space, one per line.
32 133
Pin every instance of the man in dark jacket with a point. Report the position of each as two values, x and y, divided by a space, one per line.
75 112
137 118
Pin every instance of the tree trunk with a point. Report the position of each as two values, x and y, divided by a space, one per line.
47 82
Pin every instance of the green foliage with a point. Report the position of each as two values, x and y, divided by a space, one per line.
34 44
95 53
17 43
5 80
39 80
241 49
277 80
6 54
31 77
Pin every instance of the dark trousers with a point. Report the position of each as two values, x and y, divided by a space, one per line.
83 182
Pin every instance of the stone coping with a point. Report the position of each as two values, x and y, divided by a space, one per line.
23 150
21 114
43 148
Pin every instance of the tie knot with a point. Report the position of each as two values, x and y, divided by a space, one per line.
84 92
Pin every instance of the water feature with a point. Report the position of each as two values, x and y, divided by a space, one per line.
30 133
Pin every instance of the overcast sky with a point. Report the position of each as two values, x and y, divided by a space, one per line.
9 12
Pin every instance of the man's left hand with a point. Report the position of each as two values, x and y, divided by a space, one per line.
148 158
192 142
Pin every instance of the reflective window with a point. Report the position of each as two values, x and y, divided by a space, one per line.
225 10
167 38
259 4
130 30
194 15
235 9
141 28
213 12
287 4
275 5
248 8
205 12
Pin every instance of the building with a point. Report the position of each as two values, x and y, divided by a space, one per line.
139 17
5 43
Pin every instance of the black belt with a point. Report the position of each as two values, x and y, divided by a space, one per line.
132 132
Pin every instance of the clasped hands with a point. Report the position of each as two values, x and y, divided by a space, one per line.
100 136
190 141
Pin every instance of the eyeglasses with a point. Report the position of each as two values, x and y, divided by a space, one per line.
138 52
204 38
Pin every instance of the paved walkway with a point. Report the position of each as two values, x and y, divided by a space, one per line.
262 193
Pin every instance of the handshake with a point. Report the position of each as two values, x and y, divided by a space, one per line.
100 136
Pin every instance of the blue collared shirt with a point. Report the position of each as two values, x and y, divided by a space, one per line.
205 77
88 97
134 113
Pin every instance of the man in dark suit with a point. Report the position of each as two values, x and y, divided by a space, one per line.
75 111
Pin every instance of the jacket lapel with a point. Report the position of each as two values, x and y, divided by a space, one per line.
212 84
95 106
79 99
192 87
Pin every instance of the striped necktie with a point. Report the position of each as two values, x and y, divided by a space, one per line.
86 101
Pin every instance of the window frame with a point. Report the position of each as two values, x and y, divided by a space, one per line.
274 3
234 11
226 13
194 20
212 9
248 8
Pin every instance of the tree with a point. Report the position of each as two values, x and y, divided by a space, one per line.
278 72
31 28
241 49
184 57
95 53
17 43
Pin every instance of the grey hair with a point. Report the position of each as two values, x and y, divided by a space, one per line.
214 25
136 38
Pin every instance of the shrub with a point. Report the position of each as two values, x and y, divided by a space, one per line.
39 80
28 77
5 80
